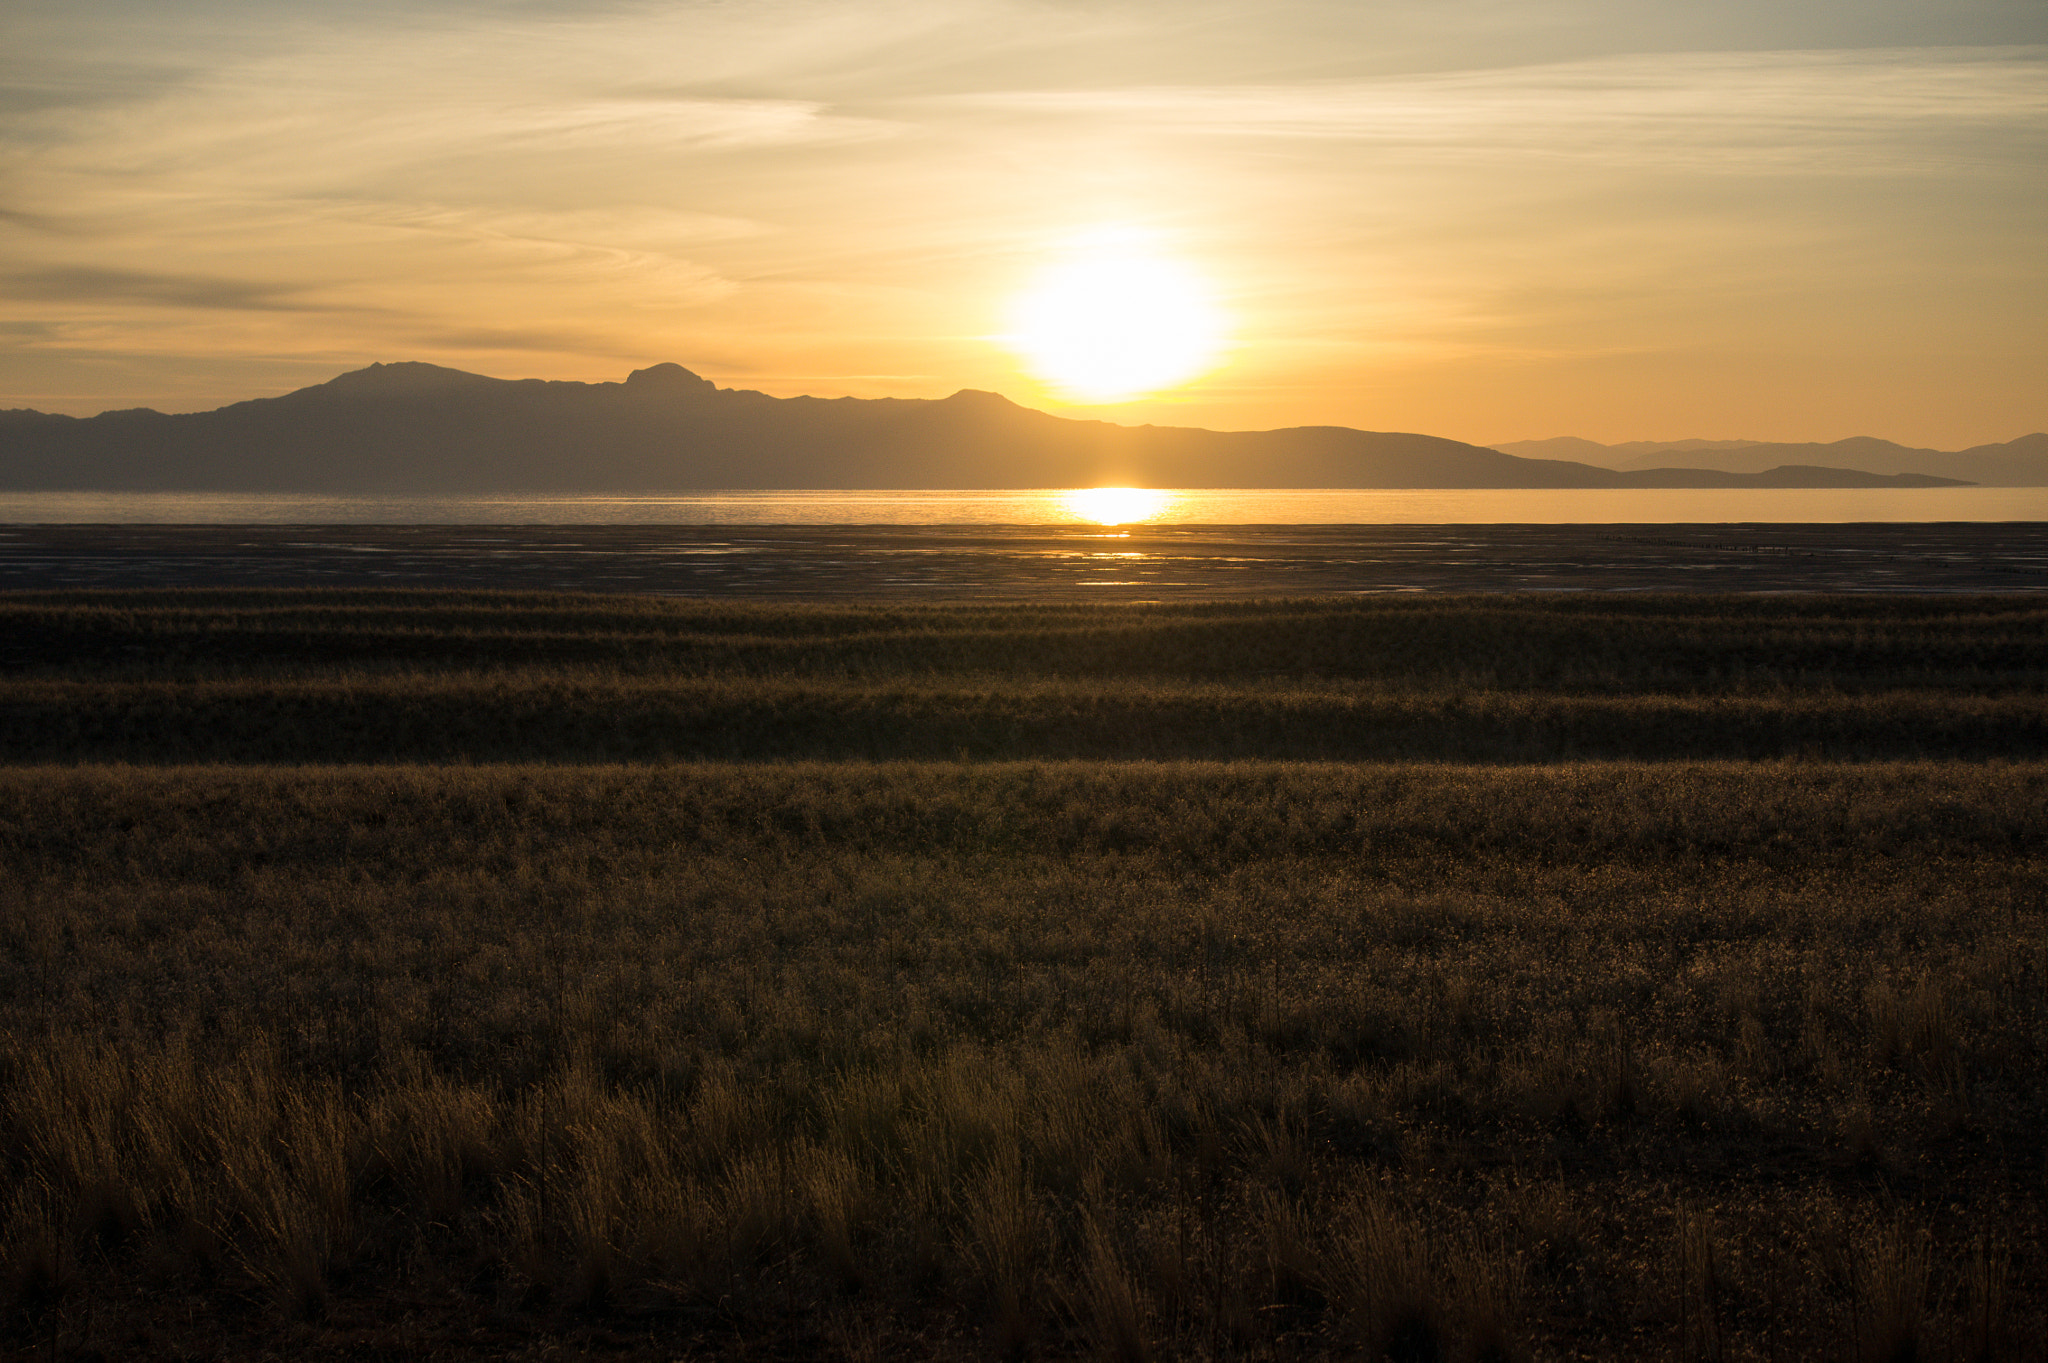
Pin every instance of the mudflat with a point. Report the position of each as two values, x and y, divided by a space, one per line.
937 563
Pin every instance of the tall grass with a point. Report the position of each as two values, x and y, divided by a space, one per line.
676 977
407 677
1133 1060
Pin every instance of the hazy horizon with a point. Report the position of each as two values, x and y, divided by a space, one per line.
1566 217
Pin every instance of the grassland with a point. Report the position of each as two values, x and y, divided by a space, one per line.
612 1020
436 677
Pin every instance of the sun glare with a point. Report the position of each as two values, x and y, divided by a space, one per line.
1114 505
1115 320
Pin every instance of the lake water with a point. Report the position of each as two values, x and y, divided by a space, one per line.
1185 506
1067 561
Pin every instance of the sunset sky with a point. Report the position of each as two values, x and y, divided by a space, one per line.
1484 219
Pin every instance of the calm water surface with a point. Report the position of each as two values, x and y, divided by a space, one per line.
1183 506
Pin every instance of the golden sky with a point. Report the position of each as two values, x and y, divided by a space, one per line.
1621 219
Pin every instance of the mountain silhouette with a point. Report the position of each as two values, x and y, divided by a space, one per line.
415 428
2016 463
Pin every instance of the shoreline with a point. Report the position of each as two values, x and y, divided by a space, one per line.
1080 563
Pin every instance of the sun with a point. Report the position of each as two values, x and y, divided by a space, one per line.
1115 319
1114 505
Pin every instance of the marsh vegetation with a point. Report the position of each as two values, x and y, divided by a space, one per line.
286 676
1030 1057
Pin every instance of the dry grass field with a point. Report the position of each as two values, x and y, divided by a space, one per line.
407 677
408 976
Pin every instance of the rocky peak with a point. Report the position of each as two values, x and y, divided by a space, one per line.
670 377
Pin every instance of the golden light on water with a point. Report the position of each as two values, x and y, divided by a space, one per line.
1115 505
1116 319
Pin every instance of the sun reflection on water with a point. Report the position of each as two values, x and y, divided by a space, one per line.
1115 505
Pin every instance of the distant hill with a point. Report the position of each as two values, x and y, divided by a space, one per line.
2017 463
420 428
1611 456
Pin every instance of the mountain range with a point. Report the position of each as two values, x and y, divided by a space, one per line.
2016 463
414 428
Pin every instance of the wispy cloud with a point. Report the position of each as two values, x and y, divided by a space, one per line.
81 283
638 121
37 222
541 341
1783 110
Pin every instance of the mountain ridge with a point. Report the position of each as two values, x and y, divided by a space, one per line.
413 427
2014 463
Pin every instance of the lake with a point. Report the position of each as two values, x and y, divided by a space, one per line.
1184 506
1067 561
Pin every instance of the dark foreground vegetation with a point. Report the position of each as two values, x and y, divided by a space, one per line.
298 676
1129 1059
